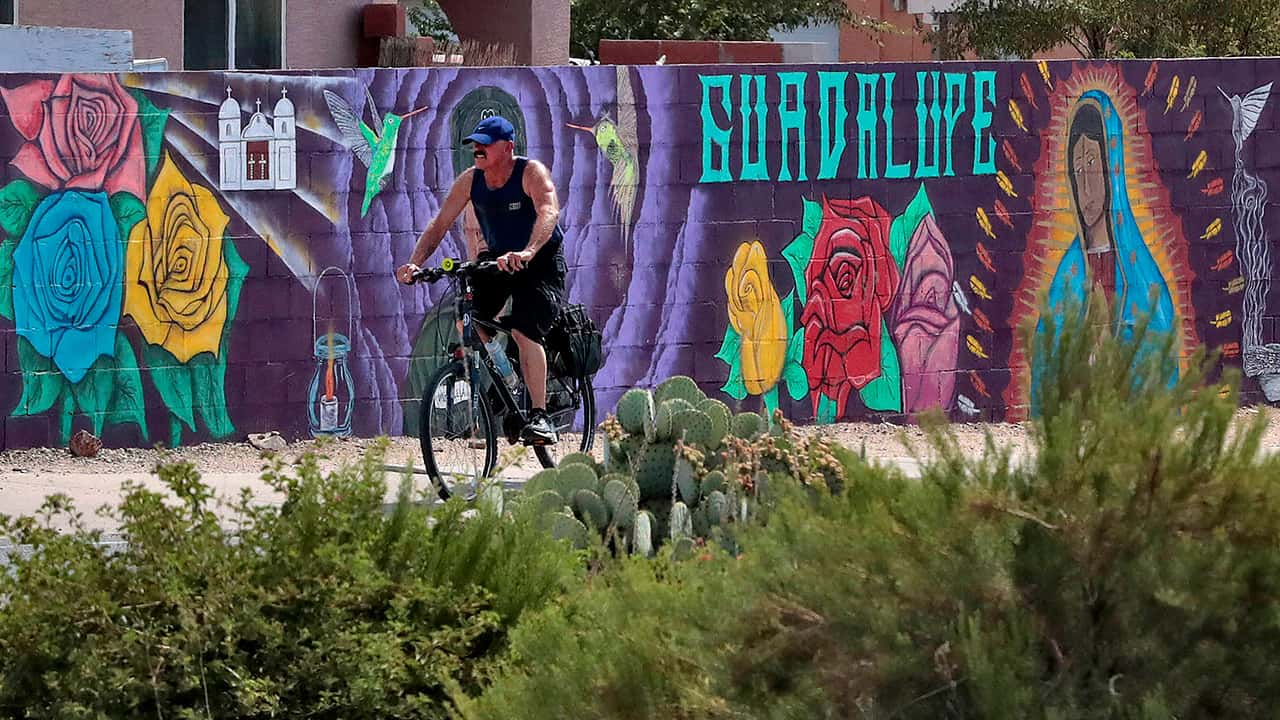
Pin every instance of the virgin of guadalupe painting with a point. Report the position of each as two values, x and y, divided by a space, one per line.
1102 244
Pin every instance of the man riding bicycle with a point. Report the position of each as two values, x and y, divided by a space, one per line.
515 203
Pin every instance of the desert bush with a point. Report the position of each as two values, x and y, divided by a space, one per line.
1128 568
326 606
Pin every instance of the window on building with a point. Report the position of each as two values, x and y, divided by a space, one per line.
6 12
233 34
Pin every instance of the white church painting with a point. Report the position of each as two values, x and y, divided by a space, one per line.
262 156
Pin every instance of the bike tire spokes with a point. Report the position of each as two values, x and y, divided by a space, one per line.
458 443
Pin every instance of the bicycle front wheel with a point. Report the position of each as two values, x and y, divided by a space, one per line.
459 445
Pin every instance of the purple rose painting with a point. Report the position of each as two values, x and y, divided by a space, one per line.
926 320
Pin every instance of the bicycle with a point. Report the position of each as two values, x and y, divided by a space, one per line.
463 396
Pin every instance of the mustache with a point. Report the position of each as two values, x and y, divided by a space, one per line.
479 153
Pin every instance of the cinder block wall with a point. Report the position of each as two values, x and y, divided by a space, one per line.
844 242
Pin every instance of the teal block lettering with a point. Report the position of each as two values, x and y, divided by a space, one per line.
714 137
867 122
984 93
932 117
952 109
756 169
792 121
892 170
833 138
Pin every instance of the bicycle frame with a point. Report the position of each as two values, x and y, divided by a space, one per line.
472 341
474 356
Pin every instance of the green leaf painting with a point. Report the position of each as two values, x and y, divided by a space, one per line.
173 381
793 374
42 382
18 202
799 252
731 353
6 277
906 223
111 392
197 388
152 119
128 211
885 392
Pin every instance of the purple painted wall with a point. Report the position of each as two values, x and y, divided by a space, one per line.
843 242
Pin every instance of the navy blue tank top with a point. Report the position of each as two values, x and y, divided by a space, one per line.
507 214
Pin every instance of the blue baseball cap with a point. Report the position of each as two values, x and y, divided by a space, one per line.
490 130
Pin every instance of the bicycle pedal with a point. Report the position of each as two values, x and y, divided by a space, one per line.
476 444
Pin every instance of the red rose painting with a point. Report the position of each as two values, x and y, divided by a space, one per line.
82 133
851 279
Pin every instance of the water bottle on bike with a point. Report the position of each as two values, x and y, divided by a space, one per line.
500 360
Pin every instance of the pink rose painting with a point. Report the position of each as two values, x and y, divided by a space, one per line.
926 321
82 133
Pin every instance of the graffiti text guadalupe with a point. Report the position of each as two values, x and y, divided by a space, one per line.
738 124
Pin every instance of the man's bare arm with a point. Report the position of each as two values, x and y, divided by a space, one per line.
454 203
538 185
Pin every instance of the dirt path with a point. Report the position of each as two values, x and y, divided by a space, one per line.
27 476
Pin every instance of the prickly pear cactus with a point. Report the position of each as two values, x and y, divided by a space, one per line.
686 482
636 412
547 501
622 503
577 458
665 422
653 471
693 426
720 416
567 527
623 478
548 479
718 509
642 534
679 386
748 426
714 480
681 521
576 477
628 450
591 509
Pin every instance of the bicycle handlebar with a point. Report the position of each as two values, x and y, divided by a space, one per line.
453 268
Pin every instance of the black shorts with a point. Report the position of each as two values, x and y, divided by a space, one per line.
536 293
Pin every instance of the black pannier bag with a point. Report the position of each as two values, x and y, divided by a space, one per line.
576 343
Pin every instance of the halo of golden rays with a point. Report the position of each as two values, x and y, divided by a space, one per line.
1054 225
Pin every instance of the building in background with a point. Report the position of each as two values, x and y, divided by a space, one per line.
286 34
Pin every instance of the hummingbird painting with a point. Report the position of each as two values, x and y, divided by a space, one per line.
618 141
375 148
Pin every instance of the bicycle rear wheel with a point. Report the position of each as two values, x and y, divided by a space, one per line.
459 445
549 455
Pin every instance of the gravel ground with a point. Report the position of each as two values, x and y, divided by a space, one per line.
881 441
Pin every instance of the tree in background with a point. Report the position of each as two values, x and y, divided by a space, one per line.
594 20
1110 28
430 21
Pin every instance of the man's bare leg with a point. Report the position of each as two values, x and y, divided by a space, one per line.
533 365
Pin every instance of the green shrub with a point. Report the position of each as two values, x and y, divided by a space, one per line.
1128 569
327 606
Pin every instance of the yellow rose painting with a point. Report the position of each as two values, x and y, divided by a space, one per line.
756 314
759 346
175 269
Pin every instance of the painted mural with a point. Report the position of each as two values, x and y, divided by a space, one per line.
196 256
